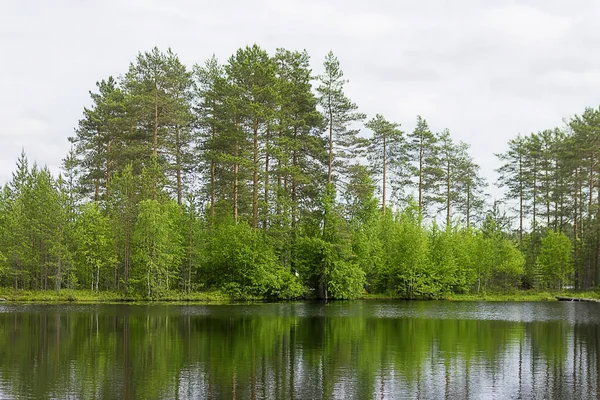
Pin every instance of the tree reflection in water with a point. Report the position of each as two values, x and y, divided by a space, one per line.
301 350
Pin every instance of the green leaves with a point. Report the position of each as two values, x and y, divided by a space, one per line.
158 248
555 260
241 176
95 253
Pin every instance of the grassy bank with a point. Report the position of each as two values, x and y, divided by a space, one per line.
89 296
524 295
216 296
521 296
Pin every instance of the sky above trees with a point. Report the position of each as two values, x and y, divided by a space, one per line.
485 70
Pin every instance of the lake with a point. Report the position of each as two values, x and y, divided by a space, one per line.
338 350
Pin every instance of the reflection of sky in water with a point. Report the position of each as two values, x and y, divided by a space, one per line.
345 350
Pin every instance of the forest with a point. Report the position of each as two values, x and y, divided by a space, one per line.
258 178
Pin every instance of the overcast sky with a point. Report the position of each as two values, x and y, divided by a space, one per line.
486 70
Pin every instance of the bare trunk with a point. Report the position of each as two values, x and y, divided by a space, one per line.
534 222
235 183
591 188
448 194
278 211
562 207
548 207
155 122
468 206
189 274
59 273
330 162
421 178
178 162
212 178
96 191
115 278
597 263
255 178
97 278
384 173
294 183
266 178
581 210
108 148
575 230
520 201
126 261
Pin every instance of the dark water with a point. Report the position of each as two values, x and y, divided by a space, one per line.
350 350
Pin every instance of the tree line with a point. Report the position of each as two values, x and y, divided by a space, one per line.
258 177
553 180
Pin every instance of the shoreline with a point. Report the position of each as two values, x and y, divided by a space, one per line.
219 297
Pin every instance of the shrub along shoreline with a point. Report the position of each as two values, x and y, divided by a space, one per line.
8 295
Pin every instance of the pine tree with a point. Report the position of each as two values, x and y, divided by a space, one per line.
297 149
422 148
158 88
514 176
251 72
470 188
99 143
211 140
386 148
340 113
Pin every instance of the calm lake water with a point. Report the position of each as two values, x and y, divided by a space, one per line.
345 350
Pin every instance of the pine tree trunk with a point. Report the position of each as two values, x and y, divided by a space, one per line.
108 172
534 222
126 261
178 165
421 178
235 183
96 191
468 205
330 162
562 208
520 200
448 194
597 263
581 210
384 173
548 207
279 188
294 183
266 212
58 273
575 209
591 188
189 274
212 191
255 178
155 121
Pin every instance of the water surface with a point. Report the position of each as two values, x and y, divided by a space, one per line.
345 350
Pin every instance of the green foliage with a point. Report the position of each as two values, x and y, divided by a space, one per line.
241 177
407 269
95 251
158 248
326 272
555 260
240 260
508 264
